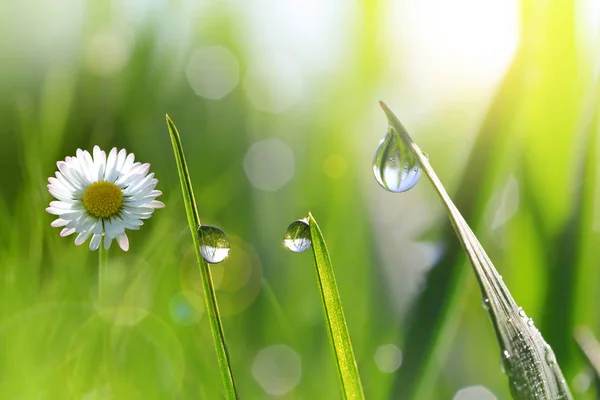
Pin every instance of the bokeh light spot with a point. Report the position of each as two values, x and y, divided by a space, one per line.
212 72
269 164
186 308
108 52
388 358
277 369
474 393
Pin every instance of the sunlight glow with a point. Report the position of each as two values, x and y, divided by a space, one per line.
447 48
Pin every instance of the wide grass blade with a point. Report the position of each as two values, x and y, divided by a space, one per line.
334 316
529 361
212 308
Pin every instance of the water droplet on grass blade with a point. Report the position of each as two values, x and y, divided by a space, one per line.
214 244
550 357
485 302
297 236
395 166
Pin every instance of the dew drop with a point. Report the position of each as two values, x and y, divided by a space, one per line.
214 244
485 302
530 322
297 236
522 313
504 356
395 166
550 358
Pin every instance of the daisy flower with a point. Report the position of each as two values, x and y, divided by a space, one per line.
99 196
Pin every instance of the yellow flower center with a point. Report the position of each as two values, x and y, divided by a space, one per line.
103 199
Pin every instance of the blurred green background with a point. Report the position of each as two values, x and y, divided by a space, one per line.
276 103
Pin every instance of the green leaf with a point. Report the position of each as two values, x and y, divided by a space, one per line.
530 364
334 316
212 308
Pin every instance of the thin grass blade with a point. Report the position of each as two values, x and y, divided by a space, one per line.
334 316
530 364
212 308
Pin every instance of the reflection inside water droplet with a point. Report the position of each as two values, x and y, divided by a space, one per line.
214 244
395 166
297 236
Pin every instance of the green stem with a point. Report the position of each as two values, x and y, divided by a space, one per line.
102 272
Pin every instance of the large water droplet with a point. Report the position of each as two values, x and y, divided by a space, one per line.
297 236
395 166
214 244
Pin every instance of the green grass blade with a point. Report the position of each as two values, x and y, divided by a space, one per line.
212 308
334 316
530 363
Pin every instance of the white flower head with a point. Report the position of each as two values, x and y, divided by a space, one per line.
101 196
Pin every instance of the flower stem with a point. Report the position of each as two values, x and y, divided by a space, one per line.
102 273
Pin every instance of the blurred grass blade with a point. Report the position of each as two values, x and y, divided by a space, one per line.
529 361
590 347
212 308
334 316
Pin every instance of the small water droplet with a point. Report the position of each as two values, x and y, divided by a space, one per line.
504 356
522 312
550 358
395 166
214 244
530 322
297 236
486 304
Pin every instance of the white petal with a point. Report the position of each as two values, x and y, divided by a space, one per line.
137 173
107 242
109 229
67 231
128 164
97 228
143 192
95 242
157 204
88 166
87 224
65 187
55 211
121 160
78 164
134 188
59 222
99 162
110 166
72 186
70 215
61 205
76 223
62 196
123 241
82 237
